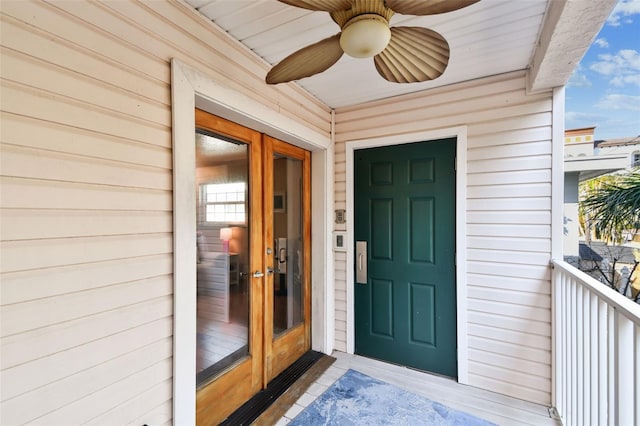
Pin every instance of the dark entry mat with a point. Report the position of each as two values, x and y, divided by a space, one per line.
251 409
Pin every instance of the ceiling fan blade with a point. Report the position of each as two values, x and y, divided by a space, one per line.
427 7
414 54
307 61
321 5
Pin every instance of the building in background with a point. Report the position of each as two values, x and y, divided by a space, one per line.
586 158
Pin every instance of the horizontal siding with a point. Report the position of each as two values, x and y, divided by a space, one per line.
131 395
498 321
32 254
57 138
522 218
501 269
33 163
508 241
507 191
22 317
506 204
86 172
81 88
515 297
509 150
513 337
513 177
60 394
508 256
42 371
112 317
46 282
21 99
21 193
340 293
508 382
25 224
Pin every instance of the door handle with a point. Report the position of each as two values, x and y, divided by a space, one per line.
258 274
361 269
270 270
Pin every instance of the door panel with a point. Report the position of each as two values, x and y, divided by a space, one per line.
227 259
382 308
287 292
421 229
405 210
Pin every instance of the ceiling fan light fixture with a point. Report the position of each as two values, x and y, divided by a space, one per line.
365 36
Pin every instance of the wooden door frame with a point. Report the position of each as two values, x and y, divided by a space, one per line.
191 87
460 133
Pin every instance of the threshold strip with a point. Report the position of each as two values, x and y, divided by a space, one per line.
252 409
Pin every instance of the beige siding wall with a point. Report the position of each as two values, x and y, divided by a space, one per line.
508 220
86 227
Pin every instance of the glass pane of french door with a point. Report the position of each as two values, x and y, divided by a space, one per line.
288 233
222 169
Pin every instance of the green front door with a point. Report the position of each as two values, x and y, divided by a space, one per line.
405 307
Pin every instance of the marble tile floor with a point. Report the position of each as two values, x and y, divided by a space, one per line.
497 408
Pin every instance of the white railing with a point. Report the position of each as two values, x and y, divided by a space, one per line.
596 351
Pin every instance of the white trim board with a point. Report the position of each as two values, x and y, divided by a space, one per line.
557 223
460 133
191 88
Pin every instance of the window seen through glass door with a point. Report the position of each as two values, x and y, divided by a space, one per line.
224 202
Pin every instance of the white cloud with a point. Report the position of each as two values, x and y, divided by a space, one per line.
619 102
575 119
578 78
623 67
602 42
608 125
622 11
579 117
606 66
621 81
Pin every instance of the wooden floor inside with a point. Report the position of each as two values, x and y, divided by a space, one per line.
216 340
500 409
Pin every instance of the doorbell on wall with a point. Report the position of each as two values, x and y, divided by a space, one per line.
339 241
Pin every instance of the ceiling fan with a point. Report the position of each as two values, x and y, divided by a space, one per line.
401 54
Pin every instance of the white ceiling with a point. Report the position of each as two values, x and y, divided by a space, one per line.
487 38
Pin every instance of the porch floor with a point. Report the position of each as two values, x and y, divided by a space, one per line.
494 407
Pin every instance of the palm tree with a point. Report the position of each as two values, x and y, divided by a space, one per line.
612 204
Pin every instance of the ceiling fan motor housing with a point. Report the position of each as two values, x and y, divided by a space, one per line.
366 35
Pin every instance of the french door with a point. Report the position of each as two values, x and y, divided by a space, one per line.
253 275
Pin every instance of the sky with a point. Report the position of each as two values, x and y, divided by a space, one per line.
604 90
